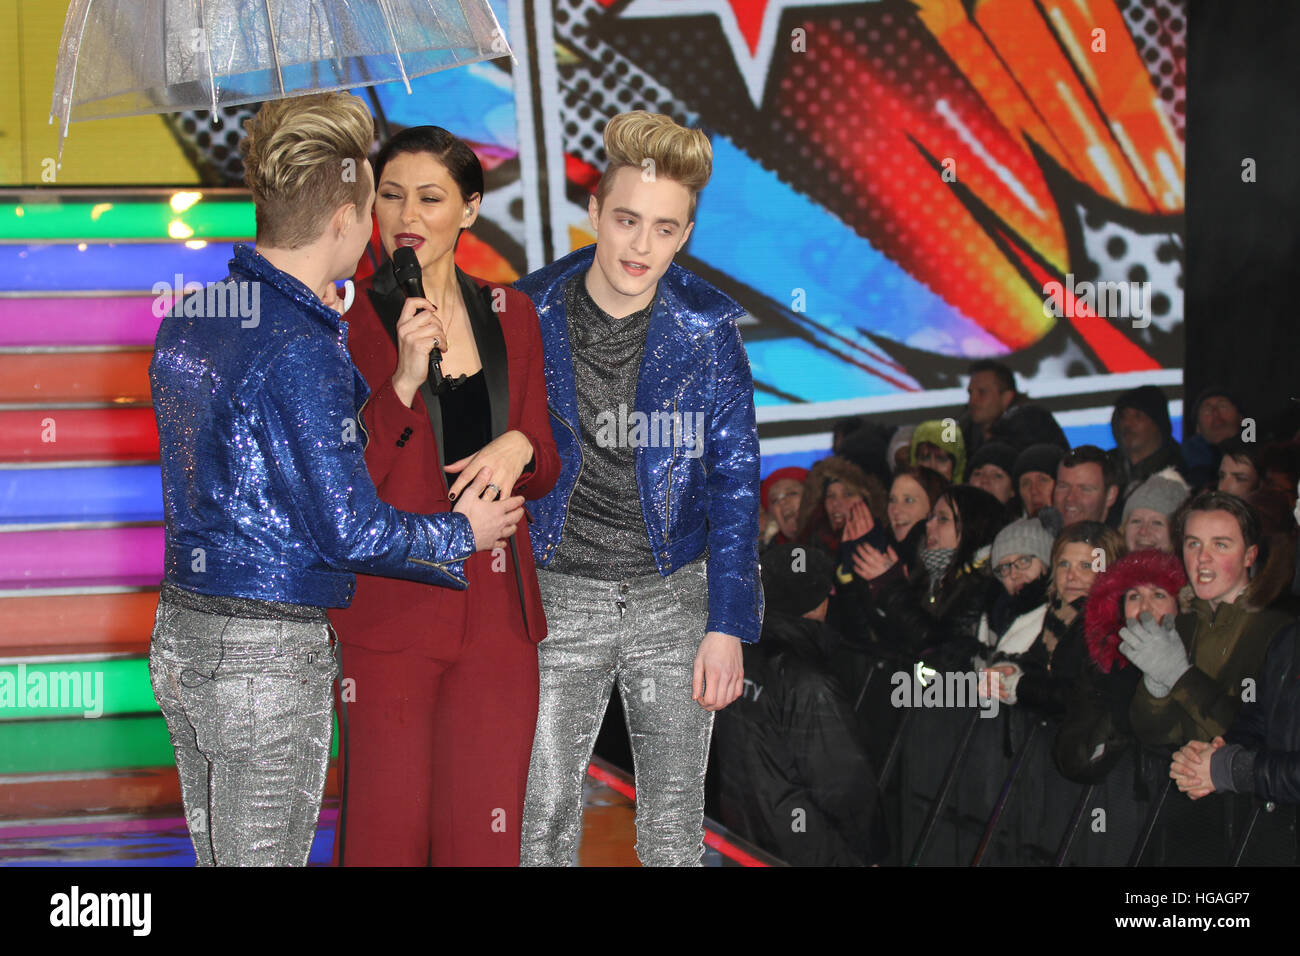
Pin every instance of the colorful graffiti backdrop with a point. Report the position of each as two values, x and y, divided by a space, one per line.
895 185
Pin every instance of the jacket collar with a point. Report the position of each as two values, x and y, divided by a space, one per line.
251 264
388 298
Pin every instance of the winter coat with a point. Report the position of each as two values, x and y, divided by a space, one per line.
1014 621
794 774
1226 646
939 629
1270 723
1096 731
1048 677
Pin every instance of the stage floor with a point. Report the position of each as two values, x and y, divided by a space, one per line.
133 818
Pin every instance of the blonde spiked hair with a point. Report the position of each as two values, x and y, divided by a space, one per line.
680 154
302 160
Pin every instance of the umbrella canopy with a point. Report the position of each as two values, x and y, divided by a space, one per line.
126 57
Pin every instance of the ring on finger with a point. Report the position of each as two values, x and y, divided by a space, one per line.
495 488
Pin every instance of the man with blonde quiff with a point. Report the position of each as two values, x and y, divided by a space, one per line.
646 551
268 505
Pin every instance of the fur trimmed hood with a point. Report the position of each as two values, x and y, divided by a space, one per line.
839 469
1104 615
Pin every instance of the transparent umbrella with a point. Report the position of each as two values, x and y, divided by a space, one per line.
126 57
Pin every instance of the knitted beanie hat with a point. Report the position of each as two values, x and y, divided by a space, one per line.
1162 492
1026 536
1042 458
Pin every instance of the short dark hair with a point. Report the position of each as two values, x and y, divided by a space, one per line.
1249 451
1006 378
1092 455
1247 517
450 150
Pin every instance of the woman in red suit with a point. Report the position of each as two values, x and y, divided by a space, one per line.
444 705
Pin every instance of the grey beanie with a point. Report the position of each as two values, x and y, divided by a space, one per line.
1026 536
1161 492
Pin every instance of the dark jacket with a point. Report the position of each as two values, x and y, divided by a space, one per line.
1096 730
794 774
1270 723
1225 646
1049 677
939 629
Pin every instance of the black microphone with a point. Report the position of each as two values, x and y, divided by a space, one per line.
406 267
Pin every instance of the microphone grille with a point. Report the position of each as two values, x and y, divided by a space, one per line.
405 264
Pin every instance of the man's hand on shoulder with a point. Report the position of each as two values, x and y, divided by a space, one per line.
719 672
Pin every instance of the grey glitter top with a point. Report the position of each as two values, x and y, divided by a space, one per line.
604 534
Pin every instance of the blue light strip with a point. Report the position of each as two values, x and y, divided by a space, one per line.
131 267
110 493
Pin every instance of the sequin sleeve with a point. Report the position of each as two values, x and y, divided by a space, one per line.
314 443
731 457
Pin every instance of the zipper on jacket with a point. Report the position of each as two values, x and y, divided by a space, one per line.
577 477
440 565
668 507
361 425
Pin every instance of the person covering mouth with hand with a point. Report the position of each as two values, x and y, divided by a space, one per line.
1194 667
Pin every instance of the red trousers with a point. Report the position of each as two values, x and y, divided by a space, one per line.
438 743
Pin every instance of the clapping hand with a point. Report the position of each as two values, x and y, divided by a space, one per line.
869 563
859 523
1190 768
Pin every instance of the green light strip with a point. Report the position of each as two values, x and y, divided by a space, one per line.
125 220
63 746
75 689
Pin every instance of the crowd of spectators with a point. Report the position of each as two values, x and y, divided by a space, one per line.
1129 599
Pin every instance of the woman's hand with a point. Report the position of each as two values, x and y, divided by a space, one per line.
994 678
859 523
505 456
419 332
869 564
1190 768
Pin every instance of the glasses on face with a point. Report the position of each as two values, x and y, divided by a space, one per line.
1022 563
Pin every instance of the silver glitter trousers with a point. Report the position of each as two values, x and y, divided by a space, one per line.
643 632
249 708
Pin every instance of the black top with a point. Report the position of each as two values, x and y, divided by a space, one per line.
466 420
605 535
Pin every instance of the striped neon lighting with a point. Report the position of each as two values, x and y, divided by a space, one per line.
75 689
131 557
135 267
77 221
110 493
82 321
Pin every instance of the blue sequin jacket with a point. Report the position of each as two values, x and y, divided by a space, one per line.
265 488
694 363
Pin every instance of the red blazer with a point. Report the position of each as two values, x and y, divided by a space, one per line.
403 458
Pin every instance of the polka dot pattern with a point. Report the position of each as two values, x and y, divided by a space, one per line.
1159 31
606 82
213 149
